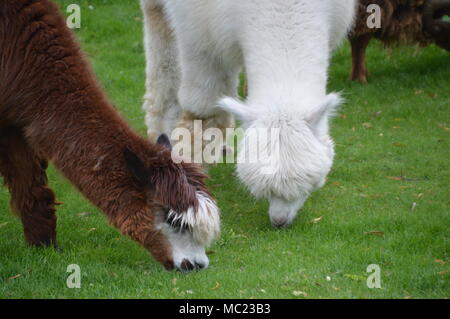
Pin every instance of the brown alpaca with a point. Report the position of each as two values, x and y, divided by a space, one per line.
52 109
402 22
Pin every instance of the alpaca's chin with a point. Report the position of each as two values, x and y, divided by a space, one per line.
187 253
282 212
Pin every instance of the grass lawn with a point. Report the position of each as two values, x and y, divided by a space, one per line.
392 139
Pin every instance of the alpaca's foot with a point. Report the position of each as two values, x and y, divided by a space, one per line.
360 76
39 231
41 240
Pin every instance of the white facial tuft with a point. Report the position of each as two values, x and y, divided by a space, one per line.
204 223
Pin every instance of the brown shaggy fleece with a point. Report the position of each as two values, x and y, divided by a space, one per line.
402 23
52 109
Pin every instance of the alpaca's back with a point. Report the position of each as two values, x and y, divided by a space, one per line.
46 84
39 59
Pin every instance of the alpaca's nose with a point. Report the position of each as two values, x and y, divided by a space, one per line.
187 265
282 212
279 222
200 265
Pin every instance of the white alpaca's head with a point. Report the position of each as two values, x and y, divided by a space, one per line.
294 156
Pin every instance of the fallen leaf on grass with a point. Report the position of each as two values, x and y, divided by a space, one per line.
440 261
375 233
316 220
367 125
397 144
216 286
445 128
298 293
91 230
396 178
336 184
15 277
4 224
83 214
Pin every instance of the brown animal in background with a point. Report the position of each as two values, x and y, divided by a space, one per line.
52 109
402 22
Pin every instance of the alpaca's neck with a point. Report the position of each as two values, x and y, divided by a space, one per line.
286 55
85 140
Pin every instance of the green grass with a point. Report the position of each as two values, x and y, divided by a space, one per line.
397 126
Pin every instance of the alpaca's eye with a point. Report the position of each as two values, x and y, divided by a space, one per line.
175 222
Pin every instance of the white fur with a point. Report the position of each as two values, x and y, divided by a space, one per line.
285 46
204 223
198 230
184 247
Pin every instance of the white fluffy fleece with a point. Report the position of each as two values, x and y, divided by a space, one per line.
198 229
204 223
285 47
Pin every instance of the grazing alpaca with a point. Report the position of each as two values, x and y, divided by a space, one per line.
402 22
52 109
195 50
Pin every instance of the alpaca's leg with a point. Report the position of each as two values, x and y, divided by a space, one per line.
359 68
160 100
203 83
31 199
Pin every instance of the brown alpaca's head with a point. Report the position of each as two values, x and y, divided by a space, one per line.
188 215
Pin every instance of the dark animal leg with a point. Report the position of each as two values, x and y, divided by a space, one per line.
359 68
31 199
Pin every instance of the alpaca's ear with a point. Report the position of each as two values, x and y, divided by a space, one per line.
136 167
241 110
163 139
325 110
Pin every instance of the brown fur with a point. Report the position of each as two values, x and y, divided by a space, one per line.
401 23
52 109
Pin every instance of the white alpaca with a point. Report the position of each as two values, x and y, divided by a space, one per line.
195 49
